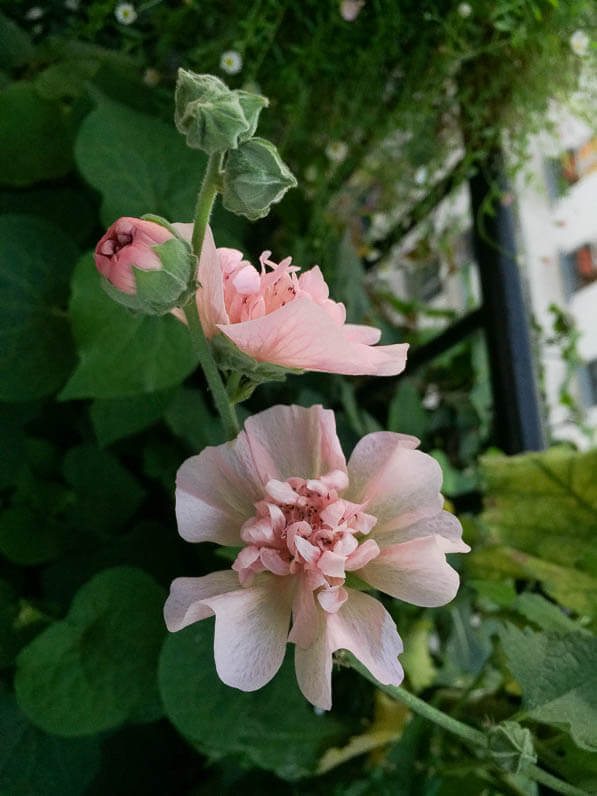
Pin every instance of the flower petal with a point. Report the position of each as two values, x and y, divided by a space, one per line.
399 485
292 441
210 295
184 604
313 666
303 335
442 523
305 614
216 492
251 631
364 627
416 571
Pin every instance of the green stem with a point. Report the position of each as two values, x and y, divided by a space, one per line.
464 731
205 200
203 208
212 374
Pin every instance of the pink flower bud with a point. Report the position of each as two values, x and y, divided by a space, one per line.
127 245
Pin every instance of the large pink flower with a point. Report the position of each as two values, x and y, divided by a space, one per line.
304 518
275 315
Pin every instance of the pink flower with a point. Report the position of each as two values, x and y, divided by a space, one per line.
277 316
304 518
126 245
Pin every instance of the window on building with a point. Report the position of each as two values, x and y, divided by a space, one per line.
580 267
571 166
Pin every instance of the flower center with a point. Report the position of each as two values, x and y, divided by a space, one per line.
116 242
303 526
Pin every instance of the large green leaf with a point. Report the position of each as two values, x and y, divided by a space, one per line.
32 762
274 728
558 678
36 260
97 668
121 354
35 137
138 163
545 504
120 417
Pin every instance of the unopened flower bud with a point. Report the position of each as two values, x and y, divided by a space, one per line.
255 178
211 116
146 265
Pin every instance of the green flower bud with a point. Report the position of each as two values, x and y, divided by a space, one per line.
511 747
211 116
146 264
255 177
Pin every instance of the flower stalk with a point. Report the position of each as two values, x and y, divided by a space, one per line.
203 208
464 731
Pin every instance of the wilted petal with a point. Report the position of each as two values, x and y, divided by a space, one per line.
303 335
184 604
416 571
251 631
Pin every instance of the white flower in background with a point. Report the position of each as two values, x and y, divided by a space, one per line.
465 10
72 5
231 62
34 13
336 151
311 173
350 9
420 177
432 397
125 13
579 42
151 77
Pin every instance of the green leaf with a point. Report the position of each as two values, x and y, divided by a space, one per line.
106 494
189 418
121 354
349 281
255 177
35 137
66 79
36 259
545 504
96 669
406 413
558 678
15 44
138 163
33 762
28 538
274 728
416 658
73 210
121 417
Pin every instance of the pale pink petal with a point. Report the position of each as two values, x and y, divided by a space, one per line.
308 552
362 555
305 614
333 513
216 492
398 484
184 230
331 564
364 627
210 295
441 523
332 599
303 335
313 666
292 441
358 333
273 561
184 604
251 631
247 280
416 571
281 492
312 282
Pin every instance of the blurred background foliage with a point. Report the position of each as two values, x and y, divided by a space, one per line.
376 117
